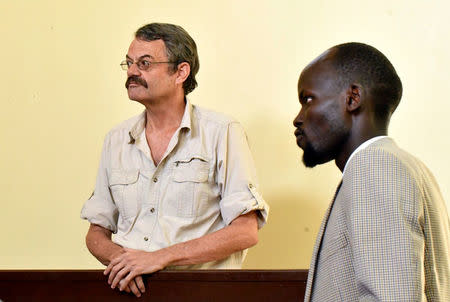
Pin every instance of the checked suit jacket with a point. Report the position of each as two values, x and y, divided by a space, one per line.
385 236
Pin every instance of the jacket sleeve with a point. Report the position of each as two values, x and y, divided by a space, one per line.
385 218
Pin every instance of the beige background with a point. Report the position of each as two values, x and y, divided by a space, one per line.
62 89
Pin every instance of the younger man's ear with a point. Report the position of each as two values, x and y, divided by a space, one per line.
353 97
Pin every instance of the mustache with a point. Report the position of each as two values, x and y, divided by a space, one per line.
136 80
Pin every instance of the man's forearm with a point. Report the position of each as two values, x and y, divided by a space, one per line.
241 234
99 243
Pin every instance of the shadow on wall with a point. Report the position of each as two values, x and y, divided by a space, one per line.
286 242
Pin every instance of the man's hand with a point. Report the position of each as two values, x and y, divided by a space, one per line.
126 266
130 265
136 286
98 240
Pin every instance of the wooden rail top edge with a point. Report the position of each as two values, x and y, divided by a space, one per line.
173 275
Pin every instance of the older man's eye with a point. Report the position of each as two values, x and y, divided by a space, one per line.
143 64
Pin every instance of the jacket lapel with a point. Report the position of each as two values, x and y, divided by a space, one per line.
316 249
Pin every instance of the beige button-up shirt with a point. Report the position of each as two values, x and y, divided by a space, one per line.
204 181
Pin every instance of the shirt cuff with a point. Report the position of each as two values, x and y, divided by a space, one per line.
241 203
95 212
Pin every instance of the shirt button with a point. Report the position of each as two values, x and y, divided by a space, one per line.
152 210
146 238
155 179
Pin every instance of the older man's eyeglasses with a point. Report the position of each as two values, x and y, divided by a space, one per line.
142 64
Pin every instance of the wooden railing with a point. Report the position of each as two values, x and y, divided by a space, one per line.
164 286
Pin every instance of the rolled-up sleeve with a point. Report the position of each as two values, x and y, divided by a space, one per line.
236 177
99 208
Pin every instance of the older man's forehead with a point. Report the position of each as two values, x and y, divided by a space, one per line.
154 49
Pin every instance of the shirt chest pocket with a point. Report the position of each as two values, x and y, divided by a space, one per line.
126 189
190 183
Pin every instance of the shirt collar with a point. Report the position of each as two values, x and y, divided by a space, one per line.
362 147
139 126
186 121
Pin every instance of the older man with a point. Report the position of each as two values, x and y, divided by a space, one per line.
176 184
385 236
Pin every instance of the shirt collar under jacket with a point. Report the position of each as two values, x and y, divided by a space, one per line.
139 127
362 147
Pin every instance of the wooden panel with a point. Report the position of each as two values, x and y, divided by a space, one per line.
185 286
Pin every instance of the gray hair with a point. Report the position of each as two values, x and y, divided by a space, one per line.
180 47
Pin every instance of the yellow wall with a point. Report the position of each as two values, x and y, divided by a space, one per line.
62 89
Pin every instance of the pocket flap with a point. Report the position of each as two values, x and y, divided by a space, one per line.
123 177
195 169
